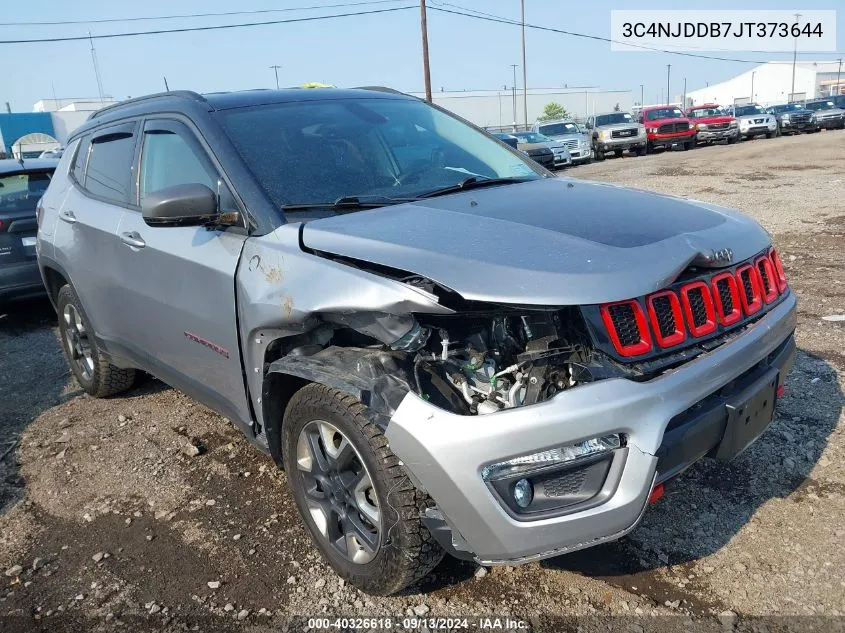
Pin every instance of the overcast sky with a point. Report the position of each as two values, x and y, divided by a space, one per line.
381 49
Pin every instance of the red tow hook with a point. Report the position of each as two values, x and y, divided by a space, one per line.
780 391
656 493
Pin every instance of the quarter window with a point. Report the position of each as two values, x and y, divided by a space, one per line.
109 171
80 160
168 159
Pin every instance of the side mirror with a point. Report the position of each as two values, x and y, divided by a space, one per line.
180 205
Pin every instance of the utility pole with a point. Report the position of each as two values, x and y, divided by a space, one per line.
839 74
668 70
642 95
426 69
524 69
513 90
752 85
794 59
684 103
96 67
275 69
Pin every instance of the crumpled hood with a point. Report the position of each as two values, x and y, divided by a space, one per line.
556 241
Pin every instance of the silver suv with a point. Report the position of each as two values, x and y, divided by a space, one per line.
447 348
569 134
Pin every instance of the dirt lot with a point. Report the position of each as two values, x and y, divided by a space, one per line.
107 520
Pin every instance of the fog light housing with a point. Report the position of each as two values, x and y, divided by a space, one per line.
523 493
551 457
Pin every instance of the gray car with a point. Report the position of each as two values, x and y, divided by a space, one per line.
567 132
447 348
22 183
559 149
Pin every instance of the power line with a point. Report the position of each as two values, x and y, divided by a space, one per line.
204 28
199 15
500 20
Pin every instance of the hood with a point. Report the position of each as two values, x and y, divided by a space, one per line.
534 148
619 126
560 137
751 117
658 122
556 241
829 112
709 120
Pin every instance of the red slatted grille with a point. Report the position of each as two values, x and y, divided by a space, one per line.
698 307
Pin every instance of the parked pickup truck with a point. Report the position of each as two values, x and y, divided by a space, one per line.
667 126
615 132
828 115
713 123
793 118
446 347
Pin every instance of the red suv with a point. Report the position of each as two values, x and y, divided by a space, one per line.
713 123
667 125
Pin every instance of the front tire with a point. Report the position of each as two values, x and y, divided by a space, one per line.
352 493
597 155
93 372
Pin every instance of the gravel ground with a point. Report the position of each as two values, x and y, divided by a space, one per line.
109 517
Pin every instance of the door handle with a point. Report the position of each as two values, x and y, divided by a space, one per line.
133 239
68 217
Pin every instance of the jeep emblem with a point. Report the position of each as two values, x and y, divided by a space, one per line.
720 256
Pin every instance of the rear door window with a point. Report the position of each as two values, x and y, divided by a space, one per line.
109 171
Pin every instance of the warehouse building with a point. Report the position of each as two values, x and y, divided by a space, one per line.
771 83
494 109
47 127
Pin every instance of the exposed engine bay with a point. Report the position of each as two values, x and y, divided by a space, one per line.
503 360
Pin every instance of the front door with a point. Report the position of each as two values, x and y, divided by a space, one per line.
178 300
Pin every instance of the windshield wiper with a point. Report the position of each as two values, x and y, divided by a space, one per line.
346 203
473 182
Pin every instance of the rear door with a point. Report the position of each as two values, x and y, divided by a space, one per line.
177 296
86 243
19 196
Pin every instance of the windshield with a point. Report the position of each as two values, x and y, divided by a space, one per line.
749 109
788 107
558 129
532 137
663 113
700 113
21 192
320 151
616 117
820 105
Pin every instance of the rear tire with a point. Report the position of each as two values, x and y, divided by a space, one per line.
354 496
93 372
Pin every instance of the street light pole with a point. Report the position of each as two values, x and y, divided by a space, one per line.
524 70
668 70
276 72
752 85
838 74
794 59
642 96
513 91
684 102
426 69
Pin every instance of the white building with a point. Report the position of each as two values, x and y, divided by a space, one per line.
772 83
69 114
495 108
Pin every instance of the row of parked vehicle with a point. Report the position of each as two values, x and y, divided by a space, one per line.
563 142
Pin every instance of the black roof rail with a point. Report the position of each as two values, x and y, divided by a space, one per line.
183 94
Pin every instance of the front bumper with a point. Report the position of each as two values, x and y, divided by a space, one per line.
613 144
830 123
787 125
757 129
718 135
445 453
667 140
